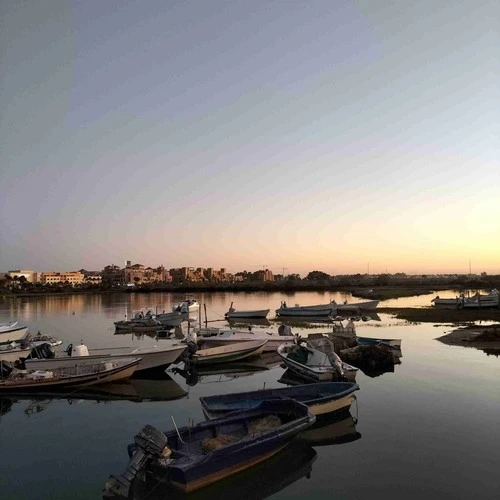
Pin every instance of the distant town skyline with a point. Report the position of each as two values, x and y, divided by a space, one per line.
319 135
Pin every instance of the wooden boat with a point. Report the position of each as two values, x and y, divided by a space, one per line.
150 357
213 337
228 353
324 310
233 313
394 343
310 362
69 377
12 332
289 465
190 458
438 301
322 398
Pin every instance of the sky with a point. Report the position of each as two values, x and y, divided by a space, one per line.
346 136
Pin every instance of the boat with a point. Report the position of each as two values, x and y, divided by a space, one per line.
311 363
228 353
368 305
13 351
394 343
155 357
289 465
480 301
12 332
171 319
148 324
190 458
100 372
322 398
40 339
189 305
438 301
306 311
233 313
212 337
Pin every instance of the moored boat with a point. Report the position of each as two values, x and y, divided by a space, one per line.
322 398
394 343
150 357
322 310
213 337
228 353
311 363
190 458
187 306
68 377
13 351
233 313
12 332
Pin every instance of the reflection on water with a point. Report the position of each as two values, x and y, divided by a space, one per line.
292 464
338 430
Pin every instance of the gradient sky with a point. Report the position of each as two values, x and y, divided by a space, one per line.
333 135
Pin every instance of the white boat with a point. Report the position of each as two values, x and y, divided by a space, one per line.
233 313
480 301
12 332
213 337
307 311
187 306
438 301
310 362
40 339
369 305
228 353
151 357
13 351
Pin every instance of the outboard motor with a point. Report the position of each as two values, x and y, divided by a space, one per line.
148 445
43 351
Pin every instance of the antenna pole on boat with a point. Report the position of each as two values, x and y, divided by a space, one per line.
206 321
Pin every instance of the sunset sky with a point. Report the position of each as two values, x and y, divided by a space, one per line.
332 135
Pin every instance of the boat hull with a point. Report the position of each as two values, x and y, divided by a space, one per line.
13 335
122 371
12 355
228 337
247 314
149 359
395 343
229 353
309 312
321 398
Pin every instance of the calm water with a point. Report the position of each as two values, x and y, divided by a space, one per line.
428 429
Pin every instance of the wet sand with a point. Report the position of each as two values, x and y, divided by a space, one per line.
480 337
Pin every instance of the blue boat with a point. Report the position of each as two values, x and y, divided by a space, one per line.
190 458
394 343
322 398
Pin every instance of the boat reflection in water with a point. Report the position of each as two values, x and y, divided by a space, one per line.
337 430
245 322
223 372
291 464
139 389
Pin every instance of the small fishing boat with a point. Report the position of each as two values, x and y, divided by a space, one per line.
368 305
292 463
40 339
213 337
66 377
233 313
323 310
157 356
228 353
311 363
12 332
394 343
322 398
190 458
189 305
171 319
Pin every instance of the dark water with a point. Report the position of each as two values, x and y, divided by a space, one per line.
427 430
